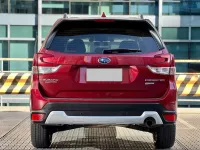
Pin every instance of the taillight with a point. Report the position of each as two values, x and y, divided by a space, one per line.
163 70
44 70
170 117
37 117
34 70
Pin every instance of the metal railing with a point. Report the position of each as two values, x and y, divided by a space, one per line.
13 59
187 61
8 100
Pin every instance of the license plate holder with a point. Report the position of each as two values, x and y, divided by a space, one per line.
104 75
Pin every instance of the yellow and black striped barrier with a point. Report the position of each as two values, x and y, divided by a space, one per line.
188 85
20 83
15 83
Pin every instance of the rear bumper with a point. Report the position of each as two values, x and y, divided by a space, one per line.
60 117
99 111
107 113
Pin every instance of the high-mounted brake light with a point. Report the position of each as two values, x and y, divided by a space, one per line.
163 70
103 15
103 20
44 70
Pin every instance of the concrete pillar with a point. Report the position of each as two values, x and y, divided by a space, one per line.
160 9
8 35
39 36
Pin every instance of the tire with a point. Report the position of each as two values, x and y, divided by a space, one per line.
41 136
164 136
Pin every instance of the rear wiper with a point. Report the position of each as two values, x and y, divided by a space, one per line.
120 50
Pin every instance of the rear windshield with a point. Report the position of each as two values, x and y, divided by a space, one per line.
93 37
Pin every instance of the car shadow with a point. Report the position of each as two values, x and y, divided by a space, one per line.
103 144
101 139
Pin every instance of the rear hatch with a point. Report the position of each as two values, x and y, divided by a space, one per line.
103 59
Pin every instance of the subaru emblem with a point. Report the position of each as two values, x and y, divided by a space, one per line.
104 60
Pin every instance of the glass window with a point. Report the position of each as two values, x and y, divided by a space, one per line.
185 51
91 8
195 7
45 30
186 7
182 67
195 51
190 7
93 37
115 8
23 6
194 67
22 31
180 50
55 7
171 8
3 49
175 33
188 67
195 33
3 6
21 49
4 53
3 31
148 8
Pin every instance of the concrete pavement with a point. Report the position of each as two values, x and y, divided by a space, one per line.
15 134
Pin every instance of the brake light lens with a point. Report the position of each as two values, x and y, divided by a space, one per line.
170 117
44 70
103 20
103 15
37 117
34 70
163 70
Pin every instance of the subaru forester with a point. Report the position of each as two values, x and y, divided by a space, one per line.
103 71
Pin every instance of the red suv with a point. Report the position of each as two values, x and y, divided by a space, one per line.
104 70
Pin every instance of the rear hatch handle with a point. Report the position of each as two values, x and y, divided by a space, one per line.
162 58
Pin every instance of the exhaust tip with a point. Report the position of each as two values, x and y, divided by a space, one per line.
149 122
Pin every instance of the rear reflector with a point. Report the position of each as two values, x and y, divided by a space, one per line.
170 117
37 117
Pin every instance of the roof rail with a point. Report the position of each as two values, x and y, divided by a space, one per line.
141 16
65 15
